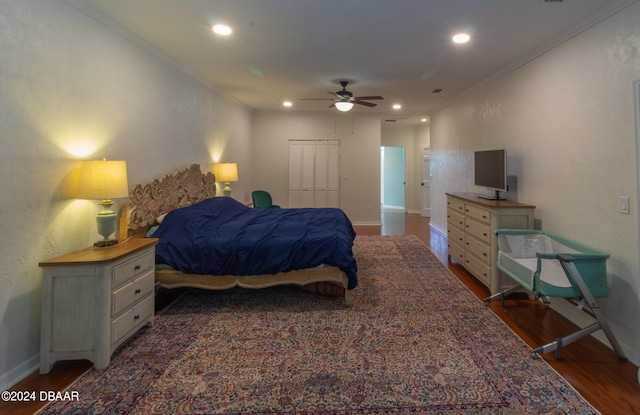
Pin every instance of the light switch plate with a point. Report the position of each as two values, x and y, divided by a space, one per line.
623 203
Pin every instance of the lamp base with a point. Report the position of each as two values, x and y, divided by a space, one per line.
106 221
105 244
226 191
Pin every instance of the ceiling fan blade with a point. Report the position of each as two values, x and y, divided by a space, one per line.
368 104
370 98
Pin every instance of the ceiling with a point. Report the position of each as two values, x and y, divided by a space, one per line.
400 49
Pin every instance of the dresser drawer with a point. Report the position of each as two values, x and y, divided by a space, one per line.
478 213
478 230
132 319
132 268
456 252
455 235
478 268
455 204
455 218
132 292
479 249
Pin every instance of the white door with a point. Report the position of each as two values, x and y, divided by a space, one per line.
426 183
314 174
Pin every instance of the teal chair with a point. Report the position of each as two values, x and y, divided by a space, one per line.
262 199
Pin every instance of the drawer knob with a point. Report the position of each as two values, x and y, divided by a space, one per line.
138 291
137 267
137 317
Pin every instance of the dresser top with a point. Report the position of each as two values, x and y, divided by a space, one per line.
492 204
93 255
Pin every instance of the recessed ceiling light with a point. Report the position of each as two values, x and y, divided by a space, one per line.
461 38
287 104
396 106
222 29
423 120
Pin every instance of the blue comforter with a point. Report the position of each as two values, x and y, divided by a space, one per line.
222 236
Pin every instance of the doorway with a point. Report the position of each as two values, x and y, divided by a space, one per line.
425 171
392 180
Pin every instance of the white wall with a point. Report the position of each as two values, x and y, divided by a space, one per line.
359 136
566 120
68 82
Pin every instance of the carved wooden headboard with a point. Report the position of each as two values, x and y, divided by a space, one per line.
148 201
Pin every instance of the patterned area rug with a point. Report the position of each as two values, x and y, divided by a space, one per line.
415 342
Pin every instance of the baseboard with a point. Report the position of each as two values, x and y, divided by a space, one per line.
392 208
365 223
19 372
435 228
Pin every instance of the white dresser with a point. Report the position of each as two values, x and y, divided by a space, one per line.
94 299
471 223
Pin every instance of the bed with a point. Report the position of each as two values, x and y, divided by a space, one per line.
218 243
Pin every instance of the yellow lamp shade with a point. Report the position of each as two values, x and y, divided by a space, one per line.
103 179
227 172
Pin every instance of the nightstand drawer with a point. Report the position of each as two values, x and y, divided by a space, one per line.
132 319
131 293
138 265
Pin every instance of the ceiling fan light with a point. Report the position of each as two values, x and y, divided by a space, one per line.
344 106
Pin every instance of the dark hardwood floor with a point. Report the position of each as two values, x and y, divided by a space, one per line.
592 368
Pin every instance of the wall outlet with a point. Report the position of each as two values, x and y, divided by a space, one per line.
623 204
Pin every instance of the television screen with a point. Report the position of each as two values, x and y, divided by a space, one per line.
491 169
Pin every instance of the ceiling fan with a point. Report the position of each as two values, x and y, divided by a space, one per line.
344 99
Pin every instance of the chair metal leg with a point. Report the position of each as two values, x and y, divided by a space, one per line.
567 262
501 295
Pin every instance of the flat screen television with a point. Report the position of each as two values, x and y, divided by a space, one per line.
491 172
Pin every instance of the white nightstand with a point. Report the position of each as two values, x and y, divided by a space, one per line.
94 299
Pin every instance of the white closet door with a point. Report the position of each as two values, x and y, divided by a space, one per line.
321 175
333 174
295 178
308 175
314 174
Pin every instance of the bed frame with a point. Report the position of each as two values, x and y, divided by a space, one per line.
189 186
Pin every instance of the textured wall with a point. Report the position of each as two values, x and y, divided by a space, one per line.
567 122
359 135
71 89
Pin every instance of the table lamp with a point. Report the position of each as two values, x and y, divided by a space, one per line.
102 179
227 172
